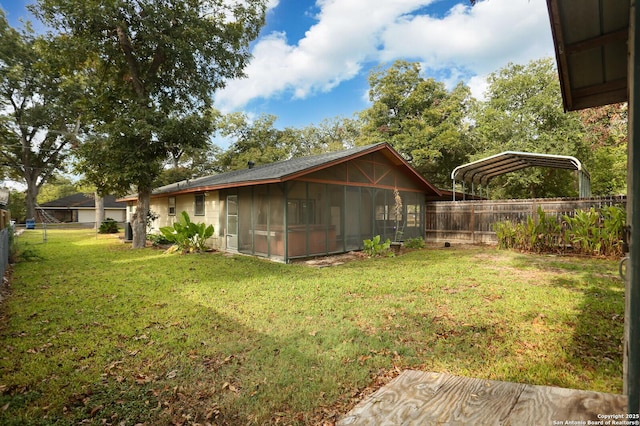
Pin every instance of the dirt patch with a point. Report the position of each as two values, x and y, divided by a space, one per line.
332 260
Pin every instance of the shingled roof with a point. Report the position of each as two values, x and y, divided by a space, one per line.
283 171
82 201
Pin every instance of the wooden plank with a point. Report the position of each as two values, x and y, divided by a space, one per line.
422 398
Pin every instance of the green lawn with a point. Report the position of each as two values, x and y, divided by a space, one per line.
94 331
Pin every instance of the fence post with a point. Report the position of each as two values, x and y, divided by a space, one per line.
473 222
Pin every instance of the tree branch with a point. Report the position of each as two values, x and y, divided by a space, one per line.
158 60
127 49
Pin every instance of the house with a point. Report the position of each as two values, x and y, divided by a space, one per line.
302 207
81 208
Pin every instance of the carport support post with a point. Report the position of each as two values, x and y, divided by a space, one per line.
632 299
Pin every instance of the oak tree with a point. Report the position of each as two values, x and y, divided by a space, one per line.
39 118
420 118
150 65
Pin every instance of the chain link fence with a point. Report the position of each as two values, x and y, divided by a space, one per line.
4 252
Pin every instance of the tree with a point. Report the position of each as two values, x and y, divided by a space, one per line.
38 118
606 134
17 206
523 112
257 141
151 67
333 134
420 118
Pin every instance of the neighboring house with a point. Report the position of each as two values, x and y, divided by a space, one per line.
302 207
5 216
81 208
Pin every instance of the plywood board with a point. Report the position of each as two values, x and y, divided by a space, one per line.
426 398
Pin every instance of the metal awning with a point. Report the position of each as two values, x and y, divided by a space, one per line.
480 172
590 38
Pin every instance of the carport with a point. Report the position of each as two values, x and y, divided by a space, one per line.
480 172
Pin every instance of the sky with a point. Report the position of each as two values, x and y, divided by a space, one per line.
312 58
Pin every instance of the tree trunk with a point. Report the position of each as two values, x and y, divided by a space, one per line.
139 224
99 203
30 200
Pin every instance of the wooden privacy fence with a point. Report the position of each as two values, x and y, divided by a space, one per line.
472 221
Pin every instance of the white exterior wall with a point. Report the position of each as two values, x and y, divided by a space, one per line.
89 215
186 202
119 215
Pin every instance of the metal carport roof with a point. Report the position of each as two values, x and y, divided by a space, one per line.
591 43
482 171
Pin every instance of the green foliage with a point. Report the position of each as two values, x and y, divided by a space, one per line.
17 206
415 243
38 109
108 226
151 68
588 232
523 112
158 239
606 134
187 236
256 140
420 118
374 247
614 219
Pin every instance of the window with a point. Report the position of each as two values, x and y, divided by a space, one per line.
172 206
413 215
199 207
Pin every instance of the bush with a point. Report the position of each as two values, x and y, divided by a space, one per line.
187 236
415 243
590 232
109 226
158 239
374 247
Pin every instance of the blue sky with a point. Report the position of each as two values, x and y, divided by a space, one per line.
313 57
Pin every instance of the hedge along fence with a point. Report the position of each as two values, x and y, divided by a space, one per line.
595 232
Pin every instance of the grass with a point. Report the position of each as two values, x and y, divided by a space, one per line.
95 332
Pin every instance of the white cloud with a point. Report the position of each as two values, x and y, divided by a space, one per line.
351 34
477 40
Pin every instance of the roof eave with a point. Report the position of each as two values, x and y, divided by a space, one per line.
385 147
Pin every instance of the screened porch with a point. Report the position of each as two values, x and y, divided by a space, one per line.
318 218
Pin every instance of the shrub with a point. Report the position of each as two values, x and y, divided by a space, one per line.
415 243
186 235
158 239
108 226
591 232
374 247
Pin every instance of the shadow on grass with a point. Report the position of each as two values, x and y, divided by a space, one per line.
596 344
208 368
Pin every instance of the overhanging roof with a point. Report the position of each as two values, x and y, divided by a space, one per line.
482 171
287 170
590 38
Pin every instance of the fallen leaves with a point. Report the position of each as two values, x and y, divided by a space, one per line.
40 349
142 379
229 386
